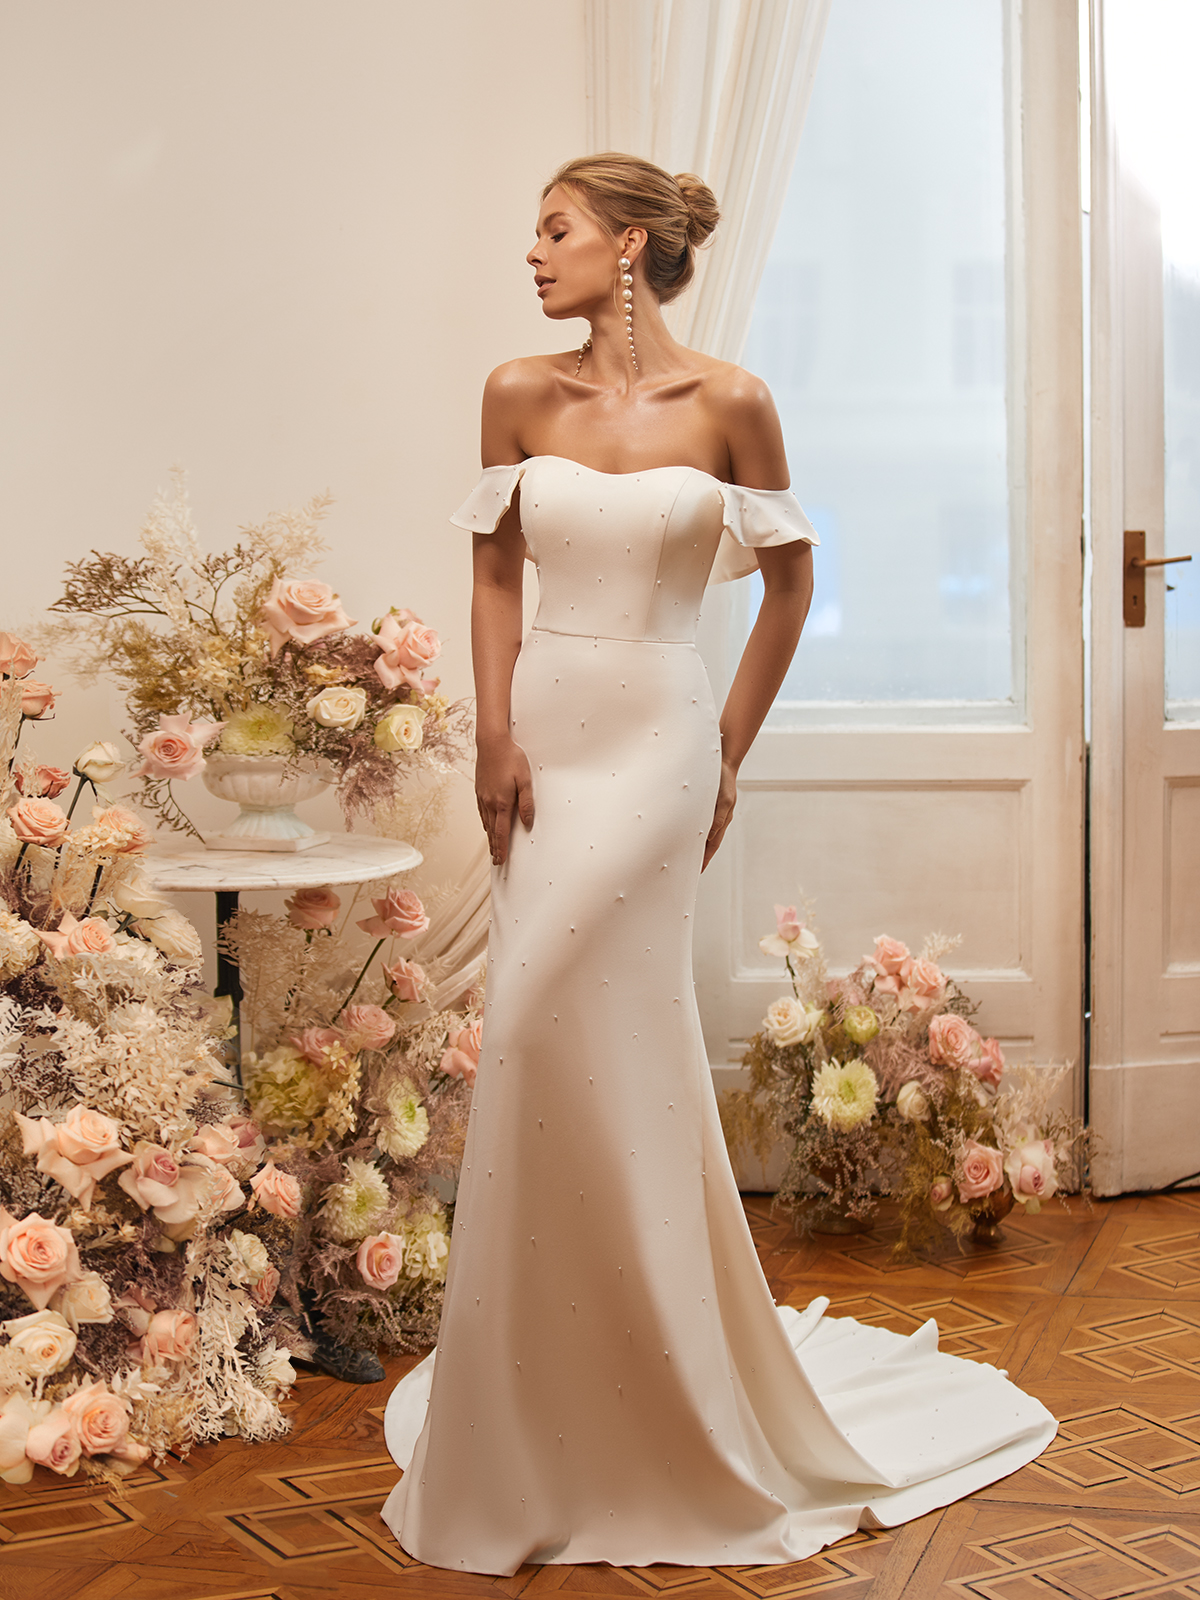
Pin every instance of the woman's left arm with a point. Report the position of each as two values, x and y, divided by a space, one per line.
758 461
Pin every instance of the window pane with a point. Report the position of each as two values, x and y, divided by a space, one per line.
881 328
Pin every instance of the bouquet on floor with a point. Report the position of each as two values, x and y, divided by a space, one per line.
364 1086
878 1083
234 653
145 1236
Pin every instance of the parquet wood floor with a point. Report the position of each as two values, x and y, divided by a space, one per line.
1094 1309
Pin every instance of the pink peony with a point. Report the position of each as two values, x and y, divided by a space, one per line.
169 1338
981 1171
1030 1171
54 1443
380 1258
176 750
77 1152
399 912
408 647
42 782
303 609
405 979
317 1044
313 908
953 1042
36 821
277 1192
367 1027
461 1057
17 660
99 1417
264 1291
37 700
37 1256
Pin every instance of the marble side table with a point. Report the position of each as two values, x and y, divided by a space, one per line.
346 858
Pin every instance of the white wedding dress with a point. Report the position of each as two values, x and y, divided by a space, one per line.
613 1381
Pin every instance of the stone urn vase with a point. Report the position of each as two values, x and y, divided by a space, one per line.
265 788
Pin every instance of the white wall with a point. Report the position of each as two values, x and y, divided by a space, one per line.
280 242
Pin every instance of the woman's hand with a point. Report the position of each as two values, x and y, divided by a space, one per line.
723 814
503 785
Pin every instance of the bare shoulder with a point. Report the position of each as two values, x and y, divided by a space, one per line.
513 397
527 377
742 408
737 395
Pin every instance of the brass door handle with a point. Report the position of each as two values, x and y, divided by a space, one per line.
1136 562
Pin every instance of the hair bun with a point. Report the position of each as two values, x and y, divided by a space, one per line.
703 214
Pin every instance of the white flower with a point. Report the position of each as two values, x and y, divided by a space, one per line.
173 934
426 1246
19 944
912 1102
100 761
338 707
43 1342
136 895
791 937
258 731
405 1126
788 1022
844 1096
86 1300
248 1258
401 728
354 1207
275 1366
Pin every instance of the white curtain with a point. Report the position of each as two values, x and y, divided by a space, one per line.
720 88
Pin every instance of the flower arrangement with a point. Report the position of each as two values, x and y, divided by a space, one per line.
233 652
879 1084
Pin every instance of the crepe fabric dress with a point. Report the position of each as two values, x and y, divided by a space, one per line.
613 1381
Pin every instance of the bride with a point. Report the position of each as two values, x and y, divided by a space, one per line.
612 1380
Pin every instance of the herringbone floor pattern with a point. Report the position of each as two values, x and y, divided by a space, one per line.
1094 1309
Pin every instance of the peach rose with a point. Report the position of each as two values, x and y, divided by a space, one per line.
251 1143
981 1171
461 1057
1030 1170
313 908
38 1256
941 1194
151 1177
78 1152
43 1342
99 1417
990 1066
953 1042
176 749
263 1292
318 1044
276 1191
92 936
169 1338
400 912
367 1027
17 660
86 1136
380 1258
405 979
37 700
217 1141
42 782
18 1414
408 647
54 1443
36 821
302 609
888 956
925 983
126 830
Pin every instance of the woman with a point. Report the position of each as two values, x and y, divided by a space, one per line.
612 1380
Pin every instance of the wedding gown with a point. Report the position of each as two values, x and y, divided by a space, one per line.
613 1381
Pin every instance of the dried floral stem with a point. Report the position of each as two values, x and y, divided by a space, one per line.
358 980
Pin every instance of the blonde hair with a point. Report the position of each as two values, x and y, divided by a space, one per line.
678 213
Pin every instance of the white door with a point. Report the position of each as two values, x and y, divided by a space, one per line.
1145 1065
921 326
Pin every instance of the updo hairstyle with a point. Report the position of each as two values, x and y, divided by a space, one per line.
623 191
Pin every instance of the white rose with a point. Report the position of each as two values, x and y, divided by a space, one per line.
100 762
173 934
43 1342
788 1022
338 708
401 728
136 895
913 1103
276 1367
85 1300
248 1257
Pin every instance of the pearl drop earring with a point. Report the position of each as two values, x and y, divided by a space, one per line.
627 292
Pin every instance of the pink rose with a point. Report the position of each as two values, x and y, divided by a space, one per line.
169 1338
408 647
317 1044
367 1027
461 1058
787 924
127 830
17 660
78 1152
990 1065
380 1258
888 956
176 750
42 782
37 1256
1030 1171
251 1143
400 912
981 1171
151 1177
953 1042
99 1418
37 699
301 609
941 1194
37 821
277 1192
313 908
263 1292
54 1443
405 979
217 1141
926 983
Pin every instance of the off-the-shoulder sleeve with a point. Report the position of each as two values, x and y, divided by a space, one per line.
754 518
491 497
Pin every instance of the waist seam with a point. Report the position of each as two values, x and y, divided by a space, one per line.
614 638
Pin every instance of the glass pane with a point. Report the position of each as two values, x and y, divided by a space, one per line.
881 328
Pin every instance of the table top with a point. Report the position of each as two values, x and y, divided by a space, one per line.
346 858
